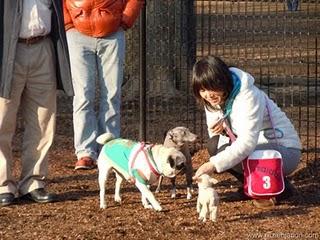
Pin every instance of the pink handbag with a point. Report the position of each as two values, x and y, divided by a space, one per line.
262 170
263 174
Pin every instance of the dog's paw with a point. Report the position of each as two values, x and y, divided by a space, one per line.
201 218
213 219
213 216
173 193
158 208
103 206
157 190
117 199
147 206
189 196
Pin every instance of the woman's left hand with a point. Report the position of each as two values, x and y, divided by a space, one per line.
206 168
218 127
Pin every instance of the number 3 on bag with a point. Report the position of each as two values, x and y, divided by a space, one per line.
266 180
263 174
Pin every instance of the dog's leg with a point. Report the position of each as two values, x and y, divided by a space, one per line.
117 196
145 201
214 208
189 194
203 212
189 173
198 205
174 188
213 213
159 184
104 169
148 195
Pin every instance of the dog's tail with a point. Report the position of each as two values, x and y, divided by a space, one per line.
104 138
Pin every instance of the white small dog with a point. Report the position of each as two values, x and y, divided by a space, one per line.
138 163
208 199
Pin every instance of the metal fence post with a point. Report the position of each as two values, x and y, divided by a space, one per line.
142 85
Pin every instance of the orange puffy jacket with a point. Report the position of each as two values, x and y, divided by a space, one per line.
100 18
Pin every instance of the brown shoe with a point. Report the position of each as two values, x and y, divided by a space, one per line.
85 163
265 203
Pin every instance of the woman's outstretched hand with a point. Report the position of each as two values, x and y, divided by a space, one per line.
206 168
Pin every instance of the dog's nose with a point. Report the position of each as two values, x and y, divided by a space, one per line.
180 168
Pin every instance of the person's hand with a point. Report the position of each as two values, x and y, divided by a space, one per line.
206 168
218 127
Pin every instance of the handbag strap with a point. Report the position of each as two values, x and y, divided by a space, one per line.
233 137
229 131
271 120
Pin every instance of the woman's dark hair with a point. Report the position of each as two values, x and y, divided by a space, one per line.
211 73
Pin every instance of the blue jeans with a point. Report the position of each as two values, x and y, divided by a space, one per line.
96 67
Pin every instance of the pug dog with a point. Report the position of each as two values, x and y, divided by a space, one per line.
138 163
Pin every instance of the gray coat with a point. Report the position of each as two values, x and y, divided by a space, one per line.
10 22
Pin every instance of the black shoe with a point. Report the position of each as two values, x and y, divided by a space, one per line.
241 195
40 196
6 199
288 192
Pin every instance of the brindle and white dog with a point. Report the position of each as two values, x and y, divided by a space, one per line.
180 138
136 162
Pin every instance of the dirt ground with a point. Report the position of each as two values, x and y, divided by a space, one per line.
77 215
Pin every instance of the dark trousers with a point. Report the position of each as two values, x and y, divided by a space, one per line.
292 5
212 147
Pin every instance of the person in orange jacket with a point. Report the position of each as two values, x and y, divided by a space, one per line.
96 41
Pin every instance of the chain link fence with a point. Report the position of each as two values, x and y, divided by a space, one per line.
277 44
279 47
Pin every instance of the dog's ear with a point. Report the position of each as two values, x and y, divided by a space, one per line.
170 134
177 137
198 179
213 181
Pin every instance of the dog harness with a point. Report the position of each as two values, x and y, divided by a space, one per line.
133 160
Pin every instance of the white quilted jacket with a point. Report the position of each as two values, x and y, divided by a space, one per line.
250 122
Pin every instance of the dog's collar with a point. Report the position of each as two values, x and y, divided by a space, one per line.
152 166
